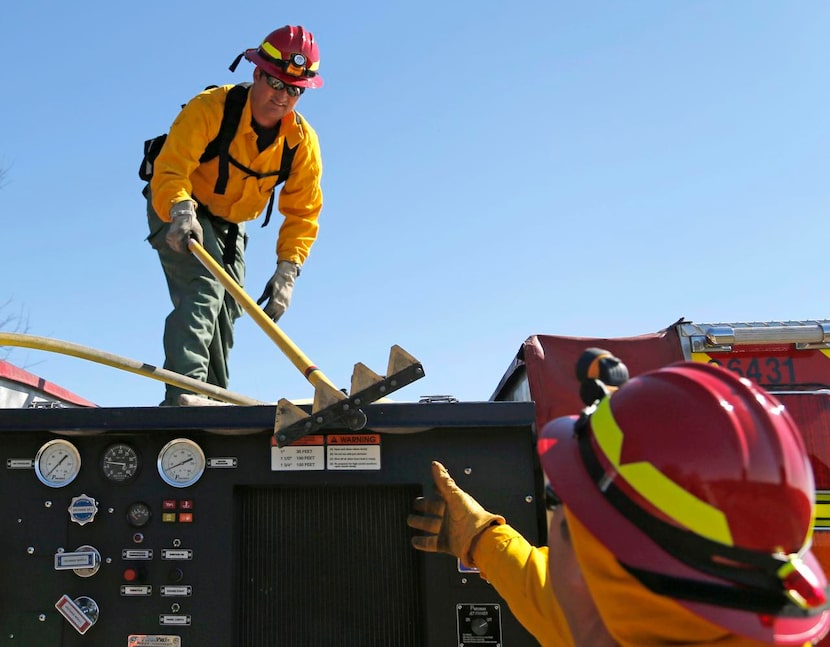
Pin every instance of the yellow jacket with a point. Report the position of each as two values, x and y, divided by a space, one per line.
632 615
519 572
635 616
178 175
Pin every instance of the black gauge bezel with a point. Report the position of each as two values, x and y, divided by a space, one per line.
131 473
131 520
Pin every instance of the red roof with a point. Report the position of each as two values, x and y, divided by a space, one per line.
15 374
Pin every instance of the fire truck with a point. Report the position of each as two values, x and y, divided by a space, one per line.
261 524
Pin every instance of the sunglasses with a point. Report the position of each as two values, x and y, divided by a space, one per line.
277 84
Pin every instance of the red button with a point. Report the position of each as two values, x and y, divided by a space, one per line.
186 504
168 504
130 575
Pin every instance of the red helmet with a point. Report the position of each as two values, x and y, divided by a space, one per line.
699 483
289 53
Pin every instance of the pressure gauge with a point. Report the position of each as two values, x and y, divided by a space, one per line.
139 514
181 462
120 463
57 463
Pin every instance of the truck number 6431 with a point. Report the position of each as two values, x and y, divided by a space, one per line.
767 370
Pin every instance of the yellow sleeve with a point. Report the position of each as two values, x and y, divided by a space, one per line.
301 200
191 132
519 572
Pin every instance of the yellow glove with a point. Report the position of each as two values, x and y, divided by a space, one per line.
453 519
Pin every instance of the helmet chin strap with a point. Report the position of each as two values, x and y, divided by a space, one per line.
756 600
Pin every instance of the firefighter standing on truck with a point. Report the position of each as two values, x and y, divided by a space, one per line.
185 201
682 514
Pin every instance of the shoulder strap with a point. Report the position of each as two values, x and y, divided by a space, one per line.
285 170
288 155
221 144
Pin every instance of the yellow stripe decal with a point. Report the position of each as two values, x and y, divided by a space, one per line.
701 357
654 486
272 51
821 516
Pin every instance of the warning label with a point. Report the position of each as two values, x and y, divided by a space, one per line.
332 452
353 451
354 457
305 455
353 439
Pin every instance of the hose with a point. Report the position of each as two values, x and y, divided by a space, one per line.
124 364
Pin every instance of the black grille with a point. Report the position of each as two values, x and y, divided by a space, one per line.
327 565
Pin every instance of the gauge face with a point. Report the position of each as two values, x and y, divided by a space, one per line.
120 463
138 514
181 462
57 463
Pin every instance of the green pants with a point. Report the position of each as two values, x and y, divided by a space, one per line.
198 333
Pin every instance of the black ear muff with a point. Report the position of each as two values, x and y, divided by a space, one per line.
599 373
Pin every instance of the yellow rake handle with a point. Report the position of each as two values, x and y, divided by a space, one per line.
291 351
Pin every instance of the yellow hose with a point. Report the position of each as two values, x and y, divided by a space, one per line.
125 364
291 351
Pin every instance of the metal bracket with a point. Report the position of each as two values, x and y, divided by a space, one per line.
714 338
332 406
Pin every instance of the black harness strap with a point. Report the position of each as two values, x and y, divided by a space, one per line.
282 175
221 144
229 255
756 600
220 147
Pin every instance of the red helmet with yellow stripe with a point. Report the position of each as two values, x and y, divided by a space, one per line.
699 483
289 53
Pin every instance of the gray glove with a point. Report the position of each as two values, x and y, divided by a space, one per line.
452 519
183 226
278 289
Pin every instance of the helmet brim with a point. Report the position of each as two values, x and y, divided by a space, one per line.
257 59
559 455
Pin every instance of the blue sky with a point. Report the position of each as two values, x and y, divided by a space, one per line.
492 171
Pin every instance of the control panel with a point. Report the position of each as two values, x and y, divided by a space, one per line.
190 527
